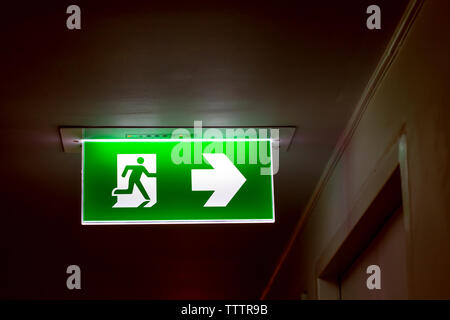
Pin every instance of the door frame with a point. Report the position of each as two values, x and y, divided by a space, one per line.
332 261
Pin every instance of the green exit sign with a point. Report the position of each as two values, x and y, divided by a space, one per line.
161 181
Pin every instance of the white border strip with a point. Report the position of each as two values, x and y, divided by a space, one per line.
82 183
179 140
135 222
271 172
146 222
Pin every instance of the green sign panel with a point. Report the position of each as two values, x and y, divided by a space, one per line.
177 181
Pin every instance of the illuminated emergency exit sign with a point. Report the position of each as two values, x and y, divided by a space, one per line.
147 181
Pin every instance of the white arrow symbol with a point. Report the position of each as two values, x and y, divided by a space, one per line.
225 179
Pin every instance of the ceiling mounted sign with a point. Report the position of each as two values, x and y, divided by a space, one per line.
148 181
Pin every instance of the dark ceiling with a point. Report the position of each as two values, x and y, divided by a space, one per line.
136 63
